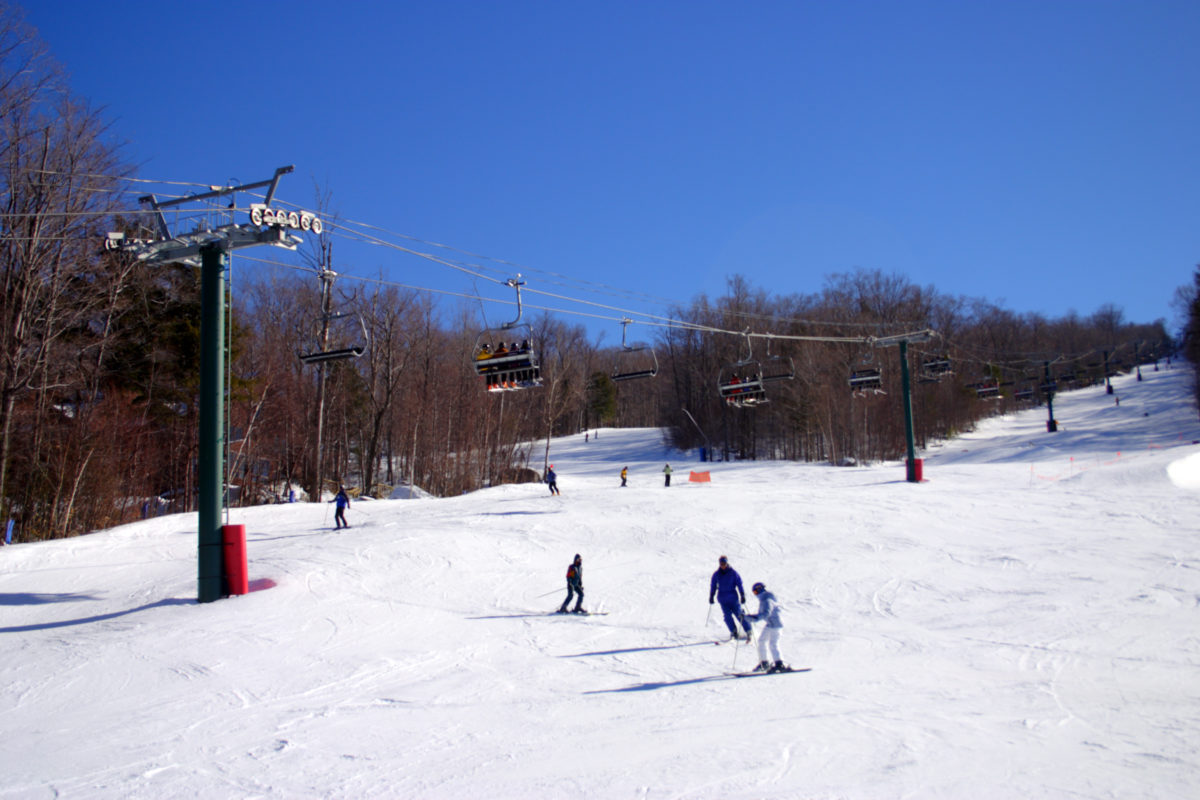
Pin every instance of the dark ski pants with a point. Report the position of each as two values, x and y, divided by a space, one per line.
572 590
733 611
339 519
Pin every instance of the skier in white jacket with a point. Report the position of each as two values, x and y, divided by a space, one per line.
768 611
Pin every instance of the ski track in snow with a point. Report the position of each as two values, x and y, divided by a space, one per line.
1021 625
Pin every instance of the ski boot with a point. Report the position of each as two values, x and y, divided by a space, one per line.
779 667
763 666
578 610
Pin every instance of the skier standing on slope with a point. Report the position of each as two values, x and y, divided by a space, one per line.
343 502
624 474
768 611
667 473
552 480
574 586
727 586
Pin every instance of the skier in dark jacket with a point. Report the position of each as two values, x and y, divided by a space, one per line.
342 500
552 480
574 586
727 586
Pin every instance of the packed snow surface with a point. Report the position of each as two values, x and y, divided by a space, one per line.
1024 624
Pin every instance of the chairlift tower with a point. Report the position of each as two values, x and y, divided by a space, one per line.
912 471
208 247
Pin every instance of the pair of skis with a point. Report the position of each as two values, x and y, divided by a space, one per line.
784 671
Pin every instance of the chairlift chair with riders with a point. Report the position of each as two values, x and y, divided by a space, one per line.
505 356
868 377
934 369
635 360
741 383
987 390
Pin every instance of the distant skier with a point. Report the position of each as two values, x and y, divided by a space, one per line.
343 502
727 586
624 474
667 473
574 586
552 480
768 611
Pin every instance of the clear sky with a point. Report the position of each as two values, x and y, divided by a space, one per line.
1041 155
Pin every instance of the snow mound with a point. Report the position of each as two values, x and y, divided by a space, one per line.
1185 473
409 493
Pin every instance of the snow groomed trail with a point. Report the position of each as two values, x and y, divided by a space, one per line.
1023 624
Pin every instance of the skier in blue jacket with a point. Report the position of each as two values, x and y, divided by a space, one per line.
343 502
768 611
726 585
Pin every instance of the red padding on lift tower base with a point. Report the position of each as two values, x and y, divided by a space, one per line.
916 470
236 575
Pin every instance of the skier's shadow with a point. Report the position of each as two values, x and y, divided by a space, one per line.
633 650
646 687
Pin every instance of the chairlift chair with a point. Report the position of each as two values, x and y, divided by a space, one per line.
740 384
777 367
635 360
934 369
505 356
989 390
347 338
867 379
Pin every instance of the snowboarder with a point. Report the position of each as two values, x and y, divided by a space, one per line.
552 480
574 586
727 586
667 473
768 611
343 502
624 474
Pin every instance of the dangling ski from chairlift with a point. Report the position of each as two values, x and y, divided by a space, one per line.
635 360
505 356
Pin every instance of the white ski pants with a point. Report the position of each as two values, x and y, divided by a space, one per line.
769 637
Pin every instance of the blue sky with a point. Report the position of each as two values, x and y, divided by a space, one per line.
1041 155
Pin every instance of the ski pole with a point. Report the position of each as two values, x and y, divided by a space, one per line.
708 619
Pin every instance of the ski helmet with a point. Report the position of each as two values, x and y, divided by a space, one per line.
758 587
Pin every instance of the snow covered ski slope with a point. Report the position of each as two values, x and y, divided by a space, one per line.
1024 624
